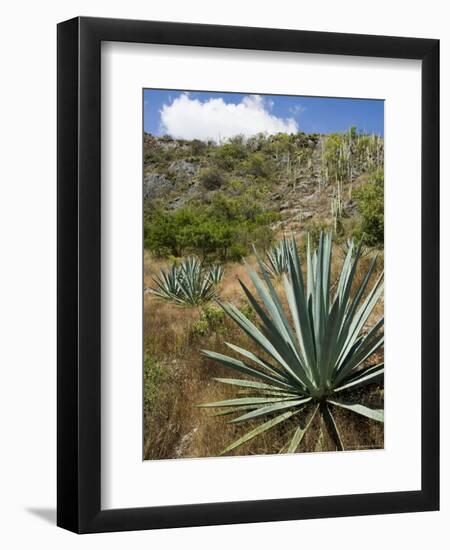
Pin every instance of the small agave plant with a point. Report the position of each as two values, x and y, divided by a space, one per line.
310 359
216 273
185 284
277 258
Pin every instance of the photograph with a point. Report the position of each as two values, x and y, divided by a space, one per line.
263 274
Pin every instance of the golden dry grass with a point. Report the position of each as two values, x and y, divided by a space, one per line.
174 427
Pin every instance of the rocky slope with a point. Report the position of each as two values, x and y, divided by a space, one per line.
293 172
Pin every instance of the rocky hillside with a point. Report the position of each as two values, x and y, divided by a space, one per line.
303 180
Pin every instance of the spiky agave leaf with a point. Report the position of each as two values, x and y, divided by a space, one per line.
315 354
364 249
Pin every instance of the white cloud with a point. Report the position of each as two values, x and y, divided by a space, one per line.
188 118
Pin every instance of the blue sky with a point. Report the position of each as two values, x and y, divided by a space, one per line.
207 115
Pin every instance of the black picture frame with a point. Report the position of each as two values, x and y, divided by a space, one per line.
79 281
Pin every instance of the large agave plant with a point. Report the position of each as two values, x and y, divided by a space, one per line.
186 284
277 258
310 359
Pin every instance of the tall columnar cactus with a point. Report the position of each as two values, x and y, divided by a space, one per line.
337 205
343 156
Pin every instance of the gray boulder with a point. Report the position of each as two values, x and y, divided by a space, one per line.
182 168
155 185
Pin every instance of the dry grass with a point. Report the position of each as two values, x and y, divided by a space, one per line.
173 426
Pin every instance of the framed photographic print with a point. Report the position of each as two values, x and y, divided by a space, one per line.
248 254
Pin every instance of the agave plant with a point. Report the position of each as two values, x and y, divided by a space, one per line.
277 258
167 283
216 273
307 365
186 284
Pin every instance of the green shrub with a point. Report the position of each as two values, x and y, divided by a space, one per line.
223 230
237 251
370 202
199 328
154 375
213 314
257 165
161 234
377 177
211 178
229 154
211 318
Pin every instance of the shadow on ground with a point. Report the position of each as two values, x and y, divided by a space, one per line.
46 514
